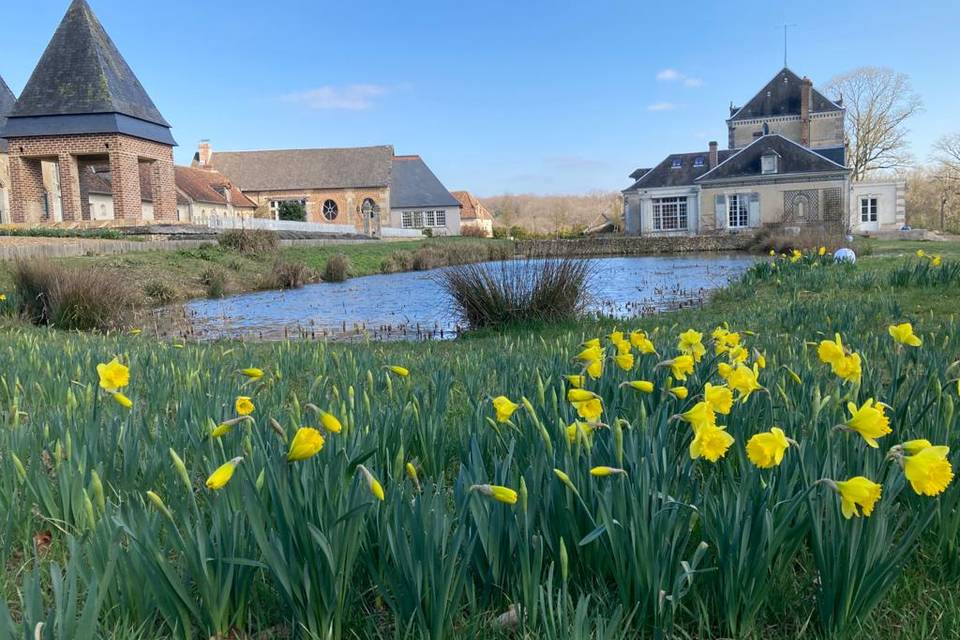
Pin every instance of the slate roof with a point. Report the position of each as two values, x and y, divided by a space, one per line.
82 84
7 100
413 184
201 185
639 173
793 159
665 175
472 209
780 97
296 169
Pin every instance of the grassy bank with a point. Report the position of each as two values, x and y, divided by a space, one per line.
675 547
186 274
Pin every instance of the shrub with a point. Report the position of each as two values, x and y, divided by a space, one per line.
215 280
286 275
472 231
338 268
501 233
806 240
486 296
293 211
249 241
430 257
159 292
397 262
84 299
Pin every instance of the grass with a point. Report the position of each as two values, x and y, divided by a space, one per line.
287 548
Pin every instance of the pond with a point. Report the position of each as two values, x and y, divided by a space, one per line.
412 306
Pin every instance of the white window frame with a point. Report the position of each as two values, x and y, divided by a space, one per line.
423 219
768 164
671 214
869 209
738 210
441 215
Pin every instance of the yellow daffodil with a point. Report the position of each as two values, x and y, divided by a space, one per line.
795 256
913 447
504 408
773 252
719 398
857 492
681 367
403 372
822 251
691 343
590 354
372 483
244 406
113 375
921 253
616 336
725 370
623 347
330 422
595 369
226 427
700 415
724 340
603 472
680 393
766 450
592 343
643 386
903 334
412 474
306 443
624 361
590 410
848 368
738 354
869 421
641 342
219 478
760 360
122 400
710 442
830 351
135 332
506 495
583 428
580 395
576 381
936 261
3 297
744 380
928 470
252 372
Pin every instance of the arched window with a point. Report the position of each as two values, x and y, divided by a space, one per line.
330 210
369 208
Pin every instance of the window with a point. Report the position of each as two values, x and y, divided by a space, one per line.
369 208
441 218
677 163
409 220
276 204
698 161
768 163
738 211
330 210
868 209
431 218
423 219
669 213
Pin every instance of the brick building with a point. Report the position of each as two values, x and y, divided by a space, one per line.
84 107
7 100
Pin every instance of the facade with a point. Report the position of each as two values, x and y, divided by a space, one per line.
7 100
205 194
784 167
83 106
878 206
418 200
473 215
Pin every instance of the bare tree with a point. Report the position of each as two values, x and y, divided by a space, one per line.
946 173
879 102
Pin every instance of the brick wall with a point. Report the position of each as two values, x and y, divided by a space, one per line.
124 155
348 202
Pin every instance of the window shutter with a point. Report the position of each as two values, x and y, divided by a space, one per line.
754 209
720 210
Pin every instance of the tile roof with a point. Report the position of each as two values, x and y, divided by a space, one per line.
413 184
7 100
472 209
82 72
666 174
294 169
639 173
793 159
204 185
780 97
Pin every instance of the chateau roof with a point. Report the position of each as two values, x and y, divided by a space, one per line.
7 100
203 185
414 185
793 159
82 84
473 209
666 174
295 169
781 97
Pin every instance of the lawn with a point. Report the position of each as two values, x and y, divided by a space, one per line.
110 529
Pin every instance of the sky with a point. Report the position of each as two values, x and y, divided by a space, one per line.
499 96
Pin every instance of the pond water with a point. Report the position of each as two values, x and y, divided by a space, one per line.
413 306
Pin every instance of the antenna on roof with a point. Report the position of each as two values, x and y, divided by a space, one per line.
785 27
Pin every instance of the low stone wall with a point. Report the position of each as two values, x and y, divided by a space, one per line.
632 245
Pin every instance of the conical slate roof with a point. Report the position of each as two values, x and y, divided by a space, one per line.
82 72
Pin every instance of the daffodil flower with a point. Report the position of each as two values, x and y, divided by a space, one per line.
504 408
903 334
506 495
603 472
244 406
869 421
219 478
113 375
766 450
710 442
372 483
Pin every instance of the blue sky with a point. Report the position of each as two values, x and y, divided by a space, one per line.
498 96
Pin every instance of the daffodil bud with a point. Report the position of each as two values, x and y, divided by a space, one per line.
278 429
947 410
58 453
523 494
67 446
260 479
352 396
96 486
369 379
159 504
398 463
181 470
21 470
367 406
88 509
541 390
564 561
618 441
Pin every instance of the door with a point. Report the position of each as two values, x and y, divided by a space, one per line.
371 217
869 213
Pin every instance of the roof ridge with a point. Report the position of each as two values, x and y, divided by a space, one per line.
376 146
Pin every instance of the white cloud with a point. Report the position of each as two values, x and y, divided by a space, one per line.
672 75
354 97
662 106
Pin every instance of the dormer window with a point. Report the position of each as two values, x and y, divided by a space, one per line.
677 163
769 163
698 161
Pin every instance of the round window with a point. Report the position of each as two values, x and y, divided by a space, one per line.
330 210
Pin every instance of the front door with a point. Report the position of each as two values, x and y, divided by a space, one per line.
869 213
371 218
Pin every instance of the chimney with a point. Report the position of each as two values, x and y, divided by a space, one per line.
203 154
806 96
713 153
